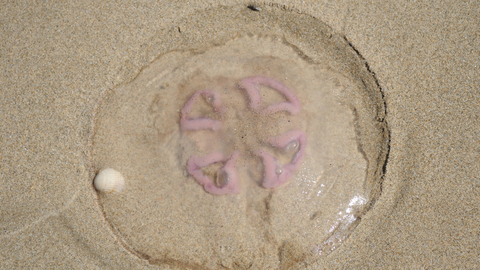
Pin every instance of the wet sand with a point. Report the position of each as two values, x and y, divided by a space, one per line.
60 60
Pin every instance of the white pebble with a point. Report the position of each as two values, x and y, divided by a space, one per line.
109 181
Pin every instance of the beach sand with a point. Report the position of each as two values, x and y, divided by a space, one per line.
65 65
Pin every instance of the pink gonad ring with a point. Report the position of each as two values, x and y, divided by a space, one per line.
252 87
226 180
187 123
276 174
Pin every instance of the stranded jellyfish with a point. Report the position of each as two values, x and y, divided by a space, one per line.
235 119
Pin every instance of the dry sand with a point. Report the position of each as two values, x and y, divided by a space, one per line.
60 61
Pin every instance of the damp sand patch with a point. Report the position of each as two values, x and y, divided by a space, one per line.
246 154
